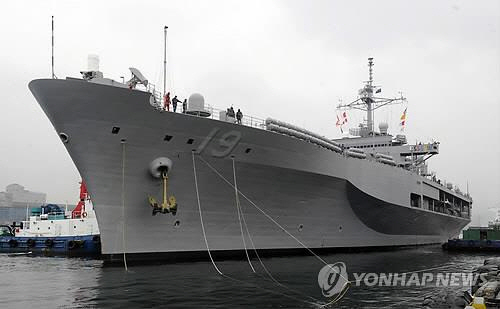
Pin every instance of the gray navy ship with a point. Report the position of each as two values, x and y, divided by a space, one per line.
254 183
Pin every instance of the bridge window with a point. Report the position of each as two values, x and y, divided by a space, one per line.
415 200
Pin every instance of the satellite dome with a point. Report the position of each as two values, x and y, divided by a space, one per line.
383 126
197 100
196 105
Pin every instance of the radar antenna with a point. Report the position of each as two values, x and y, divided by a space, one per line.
368 101
137 78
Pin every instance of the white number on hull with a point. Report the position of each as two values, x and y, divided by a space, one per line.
225 145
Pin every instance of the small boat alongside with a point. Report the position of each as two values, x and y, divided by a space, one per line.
50 230
478 238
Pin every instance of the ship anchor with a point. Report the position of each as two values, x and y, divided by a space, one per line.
169 203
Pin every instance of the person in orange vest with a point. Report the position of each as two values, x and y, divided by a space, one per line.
166 101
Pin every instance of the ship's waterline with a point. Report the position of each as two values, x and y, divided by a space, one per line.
324 198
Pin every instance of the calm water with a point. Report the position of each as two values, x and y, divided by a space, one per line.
42 282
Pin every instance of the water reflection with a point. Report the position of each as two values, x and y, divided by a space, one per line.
60 282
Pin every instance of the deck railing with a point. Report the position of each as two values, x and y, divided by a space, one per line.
249 121
157 102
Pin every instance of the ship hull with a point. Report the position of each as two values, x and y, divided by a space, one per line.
321 198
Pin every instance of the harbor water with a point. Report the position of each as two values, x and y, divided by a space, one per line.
48 282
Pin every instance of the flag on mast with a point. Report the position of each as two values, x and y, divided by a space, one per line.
341 121
403 120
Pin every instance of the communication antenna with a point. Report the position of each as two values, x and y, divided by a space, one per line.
368 100
53 75
165 60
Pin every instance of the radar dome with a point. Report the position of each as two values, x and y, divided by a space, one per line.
383 126
197 101
196 105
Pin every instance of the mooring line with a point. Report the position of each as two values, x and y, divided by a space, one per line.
242 217
316 303
273 279
265 214
274 292
432 268
123 206
201 217
346 285
238 207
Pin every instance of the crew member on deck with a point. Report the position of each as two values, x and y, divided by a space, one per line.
230 112
166 101
184 106
174 103
239 116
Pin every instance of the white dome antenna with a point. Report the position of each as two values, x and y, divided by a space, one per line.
196 105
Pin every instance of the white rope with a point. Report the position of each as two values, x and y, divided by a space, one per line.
346 285
315 303
265 268
201 217
123 206
265 214
273 291
240 214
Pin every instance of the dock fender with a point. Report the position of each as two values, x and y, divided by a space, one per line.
13 243
72 244
49 243
31 243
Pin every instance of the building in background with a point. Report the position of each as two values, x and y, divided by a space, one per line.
15 200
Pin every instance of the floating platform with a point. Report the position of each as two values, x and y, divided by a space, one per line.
87 246
472 245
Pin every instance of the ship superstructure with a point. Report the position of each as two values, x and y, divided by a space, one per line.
372 190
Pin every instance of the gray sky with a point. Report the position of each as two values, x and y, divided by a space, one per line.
292 60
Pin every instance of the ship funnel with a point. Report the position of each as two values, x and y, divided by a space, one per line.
93 63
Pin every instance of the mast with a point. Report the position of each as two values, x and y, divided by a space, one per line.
369 96
53 75
368 102
165 60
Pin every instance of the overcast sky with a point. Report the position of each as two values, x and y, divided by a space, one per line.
292 60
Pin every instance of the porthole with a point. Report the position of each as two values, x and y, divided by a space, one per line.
248 150
177 223
301 227
167 138
115 130
190 141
